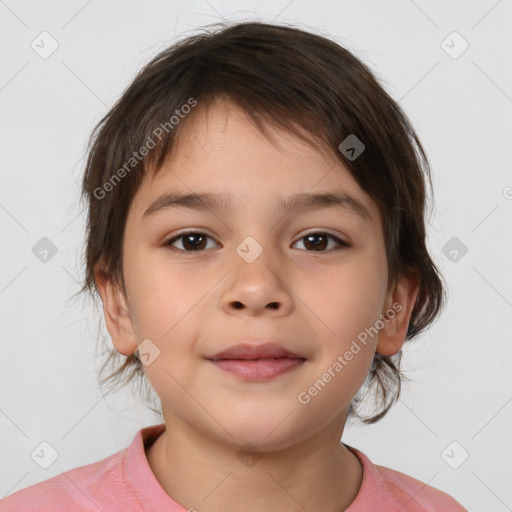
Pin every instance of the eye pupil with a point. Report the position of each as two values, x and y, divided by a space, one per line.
188 239
318 245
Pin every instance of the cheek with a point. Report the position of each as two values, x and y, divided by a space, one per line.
165 305
163 294
347 299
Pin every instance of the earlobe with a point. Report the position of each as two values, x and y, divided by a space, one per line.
397 314
117 315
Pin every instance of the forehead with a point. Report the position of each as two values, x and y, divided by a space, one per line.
221 152
221 127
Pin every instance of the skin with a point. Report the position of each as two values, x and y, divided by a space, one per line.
314 303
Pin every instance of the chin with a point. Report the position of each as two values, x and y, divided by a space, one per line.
268 432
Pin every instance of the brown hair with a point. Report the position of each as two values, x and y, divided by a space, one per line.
280 76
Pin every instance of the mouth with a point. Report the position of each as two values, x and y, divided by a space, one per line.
257 363
251 352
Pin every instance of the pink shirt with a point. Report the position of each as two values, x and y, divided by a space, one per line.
124 482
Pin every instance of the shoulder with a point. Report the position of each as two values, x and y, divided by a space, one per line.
44 496
418 495
392 489
84 488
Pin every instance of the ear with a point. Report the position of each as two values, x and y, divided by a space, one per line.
398 307
116 310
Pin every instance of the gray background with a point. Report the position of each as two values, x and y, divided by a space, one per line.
460 106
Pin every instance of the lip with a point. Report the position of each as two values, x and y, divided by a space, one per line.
257 363
258 370
250 352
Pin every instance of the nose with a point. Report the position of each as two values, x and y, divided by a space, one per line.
240 305
256 288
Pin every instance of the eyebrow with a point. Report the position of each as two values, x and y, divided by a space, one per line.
295 203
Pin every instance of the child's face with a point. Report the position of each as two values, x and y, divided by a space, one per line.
194 304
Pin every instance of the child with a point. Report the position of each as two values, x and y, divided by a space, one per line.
256 234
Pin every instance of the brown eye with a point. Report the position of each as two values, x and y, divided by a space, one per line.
190 240
196 241
318 241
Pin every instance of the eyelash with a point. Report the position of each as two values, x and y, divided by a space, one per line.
341 243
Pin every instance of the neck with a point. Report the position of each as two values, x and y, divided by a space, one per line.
203 474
